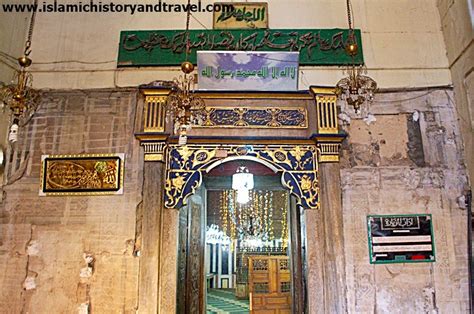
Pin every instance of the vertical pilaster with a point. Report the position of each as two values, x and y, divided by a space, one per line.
195 284
314 248
150 130
334 273
153 177
330 236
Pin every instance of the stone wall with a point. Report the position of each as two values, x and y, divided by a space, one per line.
45 241
408 161
457 22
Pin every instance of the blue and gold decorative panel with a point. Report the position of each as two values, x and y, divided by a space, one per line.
256 117
296 163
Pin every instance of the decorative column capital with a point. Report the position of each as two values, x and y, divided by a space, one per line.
328 137
152 126
154 151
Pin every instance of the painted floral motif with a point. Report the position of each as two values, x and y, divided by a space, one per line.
297 165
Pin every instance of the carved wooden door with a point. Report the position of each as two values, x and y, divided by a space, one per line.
269 285
191 287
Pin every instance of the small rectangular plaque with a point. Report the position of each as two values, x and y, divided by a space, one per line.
242 70
90 174
239 15
400 238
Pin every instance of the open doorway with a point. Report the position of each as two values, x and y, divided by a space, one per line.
247 253
250 251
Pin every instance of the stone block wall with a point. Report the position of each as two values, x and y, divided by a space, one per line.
457 24
71 254
408 161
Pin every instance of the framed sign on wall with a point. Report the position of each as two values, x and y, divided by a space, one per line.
84 174
248 70
239 15
400 238
168 47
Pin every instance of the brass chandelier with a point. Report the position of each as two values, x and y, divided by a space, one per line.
183 104
357 89
19 96
186 108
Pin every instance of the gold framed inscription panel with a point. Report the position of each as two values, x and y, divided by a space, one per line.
86 174
240 15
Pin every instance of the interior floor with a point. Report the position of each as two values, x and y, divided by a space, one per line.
223 301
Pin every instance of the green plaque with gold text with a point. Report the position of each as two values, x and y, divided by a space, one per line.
167 47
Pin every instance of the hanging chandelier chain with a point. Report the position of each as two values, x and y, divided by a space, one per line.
349 15
20 96
186 107
356 89
30 30
188 18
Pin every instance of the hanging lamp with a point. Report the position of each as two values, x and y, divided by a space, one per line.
357 89
19 96
183 104
242 182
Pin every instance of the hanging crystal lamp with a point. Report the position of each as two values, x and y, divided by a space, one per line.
357 89
242 182
19 96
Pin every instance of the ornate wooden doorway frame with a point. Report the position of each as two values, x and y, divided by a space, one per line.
172 173
185 166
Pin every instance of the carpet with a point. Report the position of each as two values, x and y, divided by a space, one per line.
223 301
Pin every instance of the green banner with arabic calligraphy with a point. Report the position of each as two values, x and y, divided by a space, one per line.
167 47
